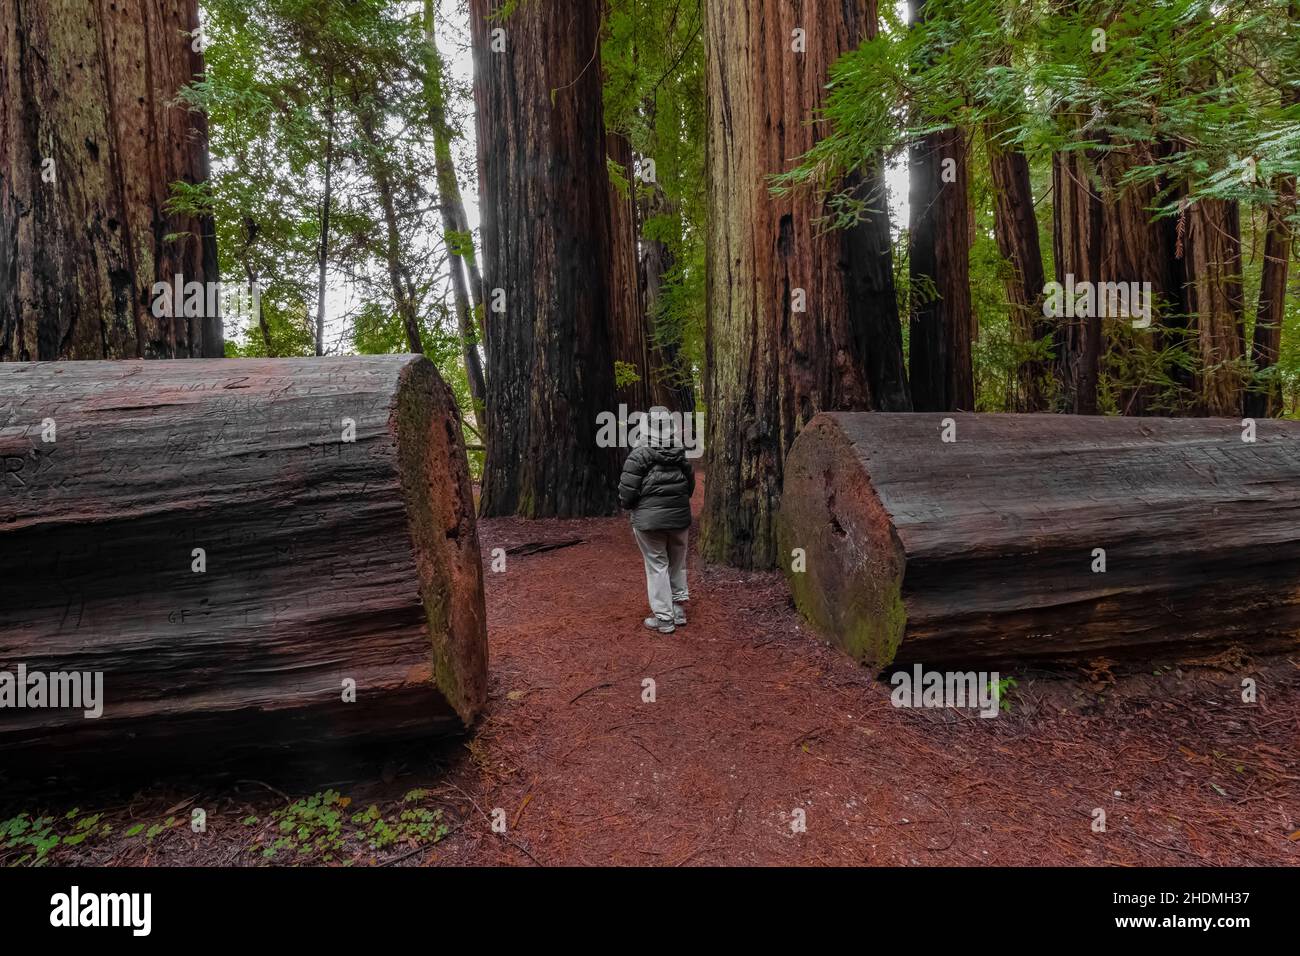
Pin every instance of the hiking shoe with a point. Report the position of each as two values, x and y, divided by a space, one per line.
679 615
659 624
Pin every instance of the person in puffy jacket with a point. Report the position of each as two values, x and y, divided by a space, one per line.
657 485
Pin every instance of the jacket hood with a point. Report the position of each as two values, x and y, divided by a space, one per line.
676 455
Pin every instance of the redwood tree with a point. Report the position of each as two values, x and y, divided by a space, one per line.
785 338
91 140
1077 220
627 313
1138 248
1016 230
1265 399
545 203
942 373
939 238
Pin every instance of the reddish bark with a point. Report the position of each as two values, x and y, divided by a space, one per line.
546 213
95 94
784 338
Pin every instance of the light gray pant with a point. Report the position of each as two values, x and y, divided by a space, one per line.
665 568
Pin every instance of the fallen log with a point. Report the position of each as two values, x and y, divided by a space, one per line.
992 547
255 556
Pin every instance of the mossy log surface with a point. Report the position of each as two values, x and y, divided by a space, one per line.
212 537
984 548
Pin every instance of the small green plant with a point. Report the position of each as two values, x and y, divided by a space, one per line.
34 834
1004 687
320 827
36 837
312 825
625 374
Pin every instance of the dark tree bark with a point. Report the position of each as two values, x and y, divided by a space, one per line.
782 341
942 373
1016 230
868 266
1077 218
939 236
1265 398
545 188
327 555
626 309
87 100
906 564
1212 252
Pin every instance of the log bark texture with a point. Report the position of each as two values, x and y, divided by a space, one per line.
324 559
983 549
91 140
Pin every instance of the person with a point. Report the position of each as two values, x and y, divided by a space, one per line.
656 486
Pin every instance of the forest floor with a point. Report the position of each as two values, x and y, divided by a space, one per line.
755 726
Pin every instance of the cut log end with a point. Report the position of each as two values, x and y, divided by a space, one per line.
440 508
843 560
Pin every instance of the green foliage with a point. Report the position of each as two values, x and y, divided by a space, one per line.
1003 690
289 85
320 828
31 839
1204 96
654 96
625 374
312 826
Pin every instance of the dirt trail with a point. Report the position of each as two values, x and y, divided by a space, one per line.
754 719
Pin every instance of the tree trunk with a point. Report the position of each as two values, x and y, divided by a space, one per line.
626 309
327 555
1077 218
942 374
939 235
1137 249
868 265
1063 538
782 341
91 140
1016 230
451 208
1212 253
1264 400
545 206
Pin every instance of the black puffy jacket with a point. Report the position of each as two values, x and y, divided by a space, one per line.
657 484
